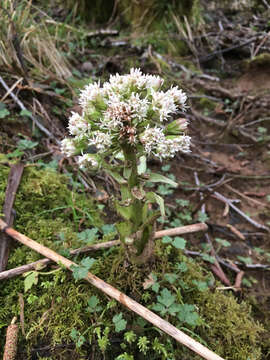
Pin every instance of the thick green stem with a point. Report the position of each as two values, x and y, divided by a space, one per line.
142 233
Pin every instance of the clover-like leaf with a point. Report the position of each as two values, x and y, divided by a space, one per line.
179 243
119 322
187 314
93 304
88 236
166 298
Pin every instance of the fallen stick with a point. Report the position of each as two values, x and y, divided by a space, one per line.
33 118
14 179
148 315
39 264
11 341
181 230
216 268
105 245
235 208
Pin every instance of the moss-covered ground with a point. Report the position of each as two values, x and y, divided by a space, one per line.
59 320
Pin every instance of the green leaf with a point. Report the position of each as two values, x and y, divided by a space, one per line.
116 177
80 271
155 287
25 112
93 304
14 154
25 144
153 197
166 298
166 168
159 308
188 315
124 228
87 262
125 211
127 172
174 309
164 190
142 165
74 334
171 278
3 113
30 280
154 177
245 260
59 91
207 257
223 242
182 202
179 243
182 267
119 322
166 240
80 341
88 236
201 285
202 217
108 229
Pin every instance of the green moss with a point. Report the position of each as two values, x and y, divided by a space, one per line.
230 328
97 11
259 61
154 14
46 207
208 104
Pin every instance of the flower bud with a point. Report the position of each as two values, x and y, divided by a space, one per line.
176 127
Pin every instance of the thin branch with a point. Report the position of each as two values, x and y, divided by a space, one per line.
33 118
216 268
246 217
131 304
105 245
14 179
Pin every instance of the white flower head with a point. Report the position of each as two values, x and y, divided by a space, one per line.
87 160
90 93
151 138
153 81
178 96
78 126
102 141
128 109
68 147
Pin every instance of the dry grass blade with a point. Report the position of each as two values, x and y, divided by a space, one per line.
25 39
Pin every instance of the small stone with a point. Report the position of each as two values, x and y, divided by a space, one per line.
87 66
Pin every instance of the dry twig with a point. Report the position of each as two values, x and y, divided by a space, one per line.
105 245
246 217
14 179
10 350
216 268
33 118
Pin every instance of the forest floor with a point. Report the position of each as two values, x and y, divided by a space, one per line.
225 179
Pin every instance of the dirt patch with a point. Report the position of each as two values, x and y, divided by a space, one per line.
254 80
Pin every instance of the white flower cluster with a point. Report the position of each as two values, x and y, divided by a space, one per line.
128 109
155 142
87 159
78 126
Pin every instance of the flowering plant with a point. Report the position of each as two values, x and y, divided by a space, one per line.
128 118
